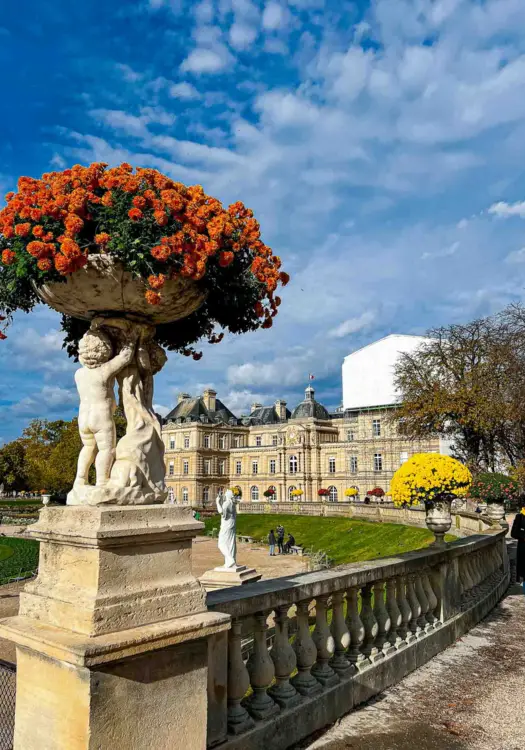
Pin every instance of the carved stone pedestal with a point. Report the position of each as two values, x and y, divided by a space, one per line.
112 635
221 578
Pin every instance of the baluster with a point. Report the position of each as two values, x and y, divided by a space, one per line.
394 613
324 642
261 671
469 583
406 613
305 652
383 620
238 683
356 628
437 575
341 636
369 648
284 661
423 601
415 606
431 598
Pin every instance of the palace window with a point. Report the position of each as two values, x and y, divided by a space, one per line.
185 467
185 495
293 464
274 440
274 496
238 467
258 441
172 442
403 457
221 466
290 490
254 493
206 466
255 467
378 462
237 441
332 494
186 441
222 442
205 494
376 427
272 466
331 465
353 464
207 441
350 436
171 468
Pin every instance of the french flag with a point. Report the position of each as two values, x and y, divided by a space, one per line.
311 377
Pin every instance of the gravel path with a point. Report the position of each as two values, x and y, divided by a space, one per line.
470 697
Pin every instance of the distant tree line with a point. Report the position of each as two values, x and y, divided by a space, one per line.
468 384
45 456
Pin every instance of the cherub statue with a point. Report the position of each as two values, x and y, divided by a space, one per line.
95 382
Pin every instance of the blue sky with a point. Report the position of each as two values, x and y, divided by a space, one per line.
379 144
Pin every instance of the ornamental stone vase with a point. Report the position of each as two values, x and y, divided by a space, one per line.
438 517
496 512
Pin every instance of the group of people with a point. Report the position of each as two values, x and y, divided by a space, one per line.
276 539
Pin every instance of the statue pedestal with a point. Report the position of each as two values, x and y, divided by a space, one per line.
112 635
221 578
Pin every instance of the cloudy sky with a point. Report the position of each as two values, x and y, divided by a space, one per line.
381 146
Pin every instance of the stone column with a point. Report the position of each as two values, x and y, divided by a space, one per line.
112 636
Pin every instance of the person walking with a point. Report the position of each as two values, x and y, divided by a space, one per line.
280 539
271 542
518 532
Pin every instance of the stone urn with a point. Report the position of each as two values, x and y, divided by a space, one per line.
438 517
496 512
46 499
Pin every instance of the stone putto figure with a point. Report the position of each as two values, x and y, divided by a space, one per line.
132 470
227 507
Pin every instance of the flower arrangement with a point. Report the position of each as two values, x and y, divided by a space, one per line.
494 487
376 492
351 492
426 476
270 492
323 492
296 493
157 229
237 492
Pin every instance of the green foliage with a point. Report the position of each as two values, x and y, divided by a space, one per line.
17 557
13 466
493 487
344 540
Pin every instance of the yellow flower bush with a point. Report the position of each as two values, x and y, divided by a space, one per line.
296 493
351 492
237 492
425 476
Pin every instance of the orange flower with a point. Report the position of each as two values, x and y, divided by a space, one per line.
139 202
45 264
161 252
268 323
157 282
8 257
225 258
38 231
107 200
22 230
70 248
62 264
73 224
37 249
102 239
284 278
135 214
153 298
9 196
161 218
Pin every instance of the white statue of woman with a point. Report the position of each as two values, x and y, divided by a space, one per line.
226 506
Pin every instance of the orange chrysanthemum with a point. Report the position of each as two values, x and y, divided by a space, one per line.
135 214
8 257
153 298
102 239
22 230
157 282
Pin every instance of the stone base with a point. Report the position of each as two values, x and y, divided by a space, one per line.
221 578
86 494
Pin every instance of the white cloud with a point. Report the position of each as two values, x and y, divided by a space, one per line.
518 256
183 90
242 35
353 325
50 399
274 16
120 120
162 410
505 210
443 252
203 60
128 73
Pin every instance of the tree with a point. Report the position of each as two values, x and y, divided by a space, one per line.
13 466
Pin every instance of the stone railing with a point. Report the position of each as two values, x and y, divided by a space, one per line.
373 624
463 522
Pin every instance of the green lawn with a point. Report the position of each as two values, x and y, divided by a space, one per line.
17 556
345 540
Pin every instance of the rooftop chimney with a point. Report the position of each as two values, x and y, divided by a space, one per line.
280 408
255 406
182 397
210 399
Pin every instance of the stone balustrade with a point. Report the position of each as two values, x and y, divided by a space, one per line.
357 630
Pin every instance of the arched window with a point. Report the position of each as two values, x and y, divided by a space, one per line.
171 495
254 493
274 495
332 494
185 495
290 490
293 464
205 494
355 497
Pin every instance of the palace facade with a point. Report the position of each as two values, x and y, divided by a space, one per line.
274 449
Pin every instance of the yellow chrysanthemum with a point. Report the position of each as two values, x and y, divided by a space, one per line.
427 475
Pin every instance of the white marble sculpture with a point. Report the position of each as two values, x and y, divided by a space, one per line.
132 470
227 507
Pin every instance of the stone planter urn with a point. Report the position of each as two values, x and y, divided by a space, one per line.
496 512
439 518
46 499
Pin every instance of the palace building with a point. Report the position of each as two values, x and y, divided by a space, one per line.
273 451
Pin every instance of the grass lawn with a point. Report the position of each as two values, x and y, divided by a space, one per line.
17 556
345 540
